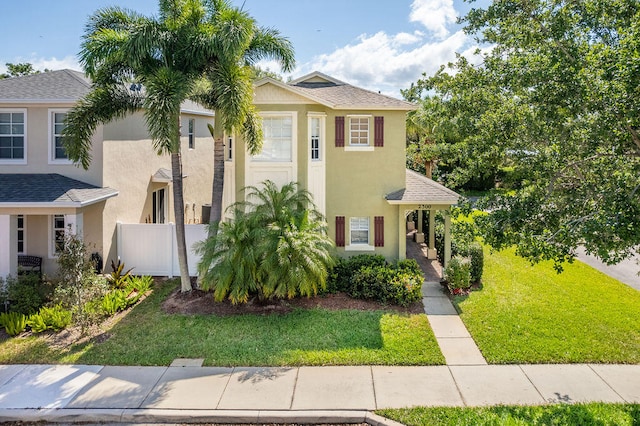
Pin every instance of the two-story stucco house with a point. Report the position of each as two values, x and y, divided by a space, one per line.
344 144
42 192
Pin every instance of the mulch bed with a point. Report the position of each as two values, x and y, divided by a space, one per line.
198 302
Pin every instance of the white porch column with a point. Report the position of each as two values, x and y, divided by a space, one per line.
402 234
432 229
8 245
420 221
75 222
447 237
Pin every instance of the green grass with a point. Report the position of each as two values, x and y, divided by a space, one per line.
530 314
575 414
147 336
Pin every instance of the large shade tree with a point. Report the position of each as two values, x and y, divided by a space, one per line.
193 49
556 95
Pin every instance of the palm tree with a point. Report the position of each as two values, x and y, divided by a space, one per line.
275 247
194 49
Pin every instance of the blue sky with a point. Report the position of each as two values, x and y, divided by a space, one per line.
381 45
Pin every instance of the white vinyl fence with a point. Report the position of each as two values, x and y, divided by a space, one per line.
151 248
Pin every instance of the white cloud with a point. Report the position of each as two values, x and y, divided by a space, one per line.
435 15
385 63
41 63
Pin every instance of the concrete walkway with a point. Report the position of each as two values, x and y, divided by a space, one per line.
93 393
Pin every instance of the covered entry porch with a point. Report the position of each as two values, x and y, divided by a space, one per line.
422 194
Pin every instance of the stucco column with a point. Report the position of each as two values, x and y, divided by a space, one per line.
432 229
8 245
419 221
402 234
447 237
74 221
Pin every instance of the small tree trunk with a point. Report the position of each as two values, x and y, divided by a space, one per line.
428 168
218 182
178 208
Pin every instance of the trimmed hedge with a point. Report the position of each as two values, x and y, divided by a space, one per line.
372 277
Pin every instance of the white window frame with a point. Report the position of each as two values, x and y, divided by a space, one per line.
23 160
191 135
156 209
52 135
359 246
359 146
22 228
53 253
315 135
292 115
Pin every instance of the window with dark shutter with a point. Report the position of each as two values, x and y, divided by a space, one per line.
339 231
339 131
378 231
378 131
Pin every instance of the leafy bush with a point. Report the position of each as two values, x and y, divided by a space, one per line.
118 276
457 273
342 272
386 284
54 318
114 301
14 323
120 299
476 256
26 293
410 266
139 284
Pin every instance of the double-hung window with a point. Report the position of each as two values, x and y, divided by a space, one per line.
359 230
21 234
13 136
58 228
359 131
56 125
229 148
192 139
315 139
278 138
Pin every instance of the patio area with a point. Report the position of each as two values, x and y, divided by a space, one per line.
430 267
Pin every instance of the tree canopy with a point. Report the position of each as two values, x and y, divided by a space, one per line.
555 96
19 70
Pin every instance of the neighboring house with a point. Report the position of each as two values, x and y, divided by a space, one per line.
42 192
344 144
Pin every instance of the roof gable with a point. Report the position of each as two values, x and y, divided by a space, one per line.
270 91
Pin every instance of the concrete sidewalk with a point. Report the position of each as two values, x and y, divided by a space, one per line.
92 393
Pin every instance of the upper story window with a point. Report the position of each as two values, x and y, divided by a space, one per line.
192 139
13 136
359 131
56 125
278 139
315 138
229 148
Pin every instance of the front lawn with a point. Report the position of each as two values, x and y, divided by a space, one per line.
574 414
148 336
530 314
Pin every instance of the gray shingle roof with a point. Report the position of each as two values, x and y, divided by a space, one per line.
53 189
62 85
420 189
346 96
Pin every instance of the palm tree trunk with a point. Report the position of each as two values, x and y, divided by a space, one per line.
178 208
218 183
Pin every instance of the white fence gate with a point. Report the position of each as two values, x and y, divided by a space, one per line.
151 248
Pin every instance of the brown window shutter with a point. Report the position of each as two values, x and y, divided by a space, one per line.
378 131
339 131
379 231
339 231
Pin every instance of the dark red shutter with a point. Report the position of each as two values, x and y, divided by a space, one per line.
339 131
378 222
339 231
378 131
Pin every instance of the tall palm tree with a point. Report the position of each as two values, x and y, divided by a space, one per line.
194 49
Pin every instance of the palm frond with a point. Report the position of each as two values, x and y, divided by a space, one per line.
268 43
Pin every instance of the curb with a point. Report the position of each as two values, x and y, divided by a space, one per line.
193 416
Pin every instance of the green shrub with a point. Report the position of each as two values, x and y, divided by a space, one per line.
114 301
55 318
139 284
457 273
409 265
476 256
26 293
118 277
342 272
14 323
386 284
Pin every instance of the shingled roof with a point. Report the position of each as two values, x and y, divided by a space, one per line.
337 94
48 190
420 189
62 85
